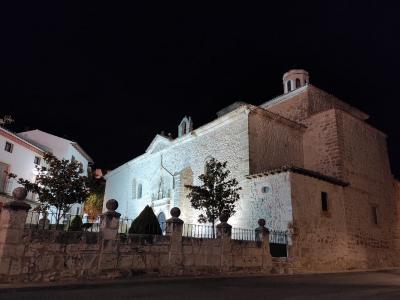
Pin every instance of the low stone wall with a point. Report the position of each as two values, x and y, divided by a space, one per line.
52 255
32 255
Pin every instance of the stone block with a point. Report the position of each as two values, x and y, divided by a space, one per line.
15 267
5 263
138 262
125 261
108 261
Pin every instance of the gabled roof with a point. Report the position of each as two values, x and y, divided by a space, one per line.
72 143
158 143
22 141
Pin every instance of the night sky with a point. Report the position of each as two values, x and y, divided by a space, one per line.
111 76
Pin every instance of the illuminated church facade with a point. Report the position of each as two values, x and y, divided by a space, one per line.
306 161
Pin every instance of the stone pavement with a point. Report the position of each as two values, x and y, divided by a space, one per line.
355 285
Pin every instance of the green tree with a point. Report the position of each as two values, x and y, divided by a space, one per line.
216 193
59 184
145 223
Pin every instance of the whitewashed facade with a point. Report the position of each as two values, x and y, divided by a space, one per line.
27 150
17 156
168 165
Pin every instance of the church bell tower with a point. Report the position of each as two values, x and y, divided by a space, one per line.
295 79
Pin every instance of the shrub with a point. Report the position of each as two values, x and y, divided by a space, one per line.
146 223
76 224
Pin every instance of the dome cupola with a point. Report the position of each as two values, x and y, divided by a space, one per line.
295 79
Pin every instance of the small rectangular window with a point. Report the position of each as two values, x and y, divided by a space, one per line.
324 201
36 161
9 147
375 215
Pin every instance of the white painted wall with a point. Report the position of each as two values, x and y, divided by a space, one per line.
226 139
275 206
59 147
21 160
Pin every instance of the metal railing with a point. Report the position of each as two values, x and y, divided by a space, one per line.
149 229
199 231
50 221
278 237
243 234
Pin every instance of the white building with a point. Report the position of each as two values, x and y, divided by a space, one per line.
17 156
20 152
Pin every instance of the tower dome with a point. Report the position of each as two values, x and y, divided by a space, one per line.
295 79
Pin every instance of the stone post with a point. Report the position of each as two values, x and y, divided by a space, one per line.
12 223
224 230
174 231
109 221
262 236
224 233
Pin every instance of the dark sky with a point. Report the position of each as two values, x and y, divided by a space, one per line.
112 75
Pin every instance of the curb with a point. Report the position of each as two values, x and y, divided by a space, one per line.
119 282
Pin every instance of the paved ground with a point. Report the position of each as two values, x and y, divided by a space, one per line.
368 285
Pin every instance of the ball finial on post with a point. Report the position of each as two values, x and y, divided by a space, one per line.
112 205
175 212
20 193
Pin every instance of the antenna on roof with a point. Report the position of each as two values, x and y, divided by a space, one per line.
7 119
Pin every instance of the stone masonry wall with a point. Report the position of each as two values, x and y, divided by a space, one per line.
321 144
294 108
319 237
366 168
34 255
272 143
57 255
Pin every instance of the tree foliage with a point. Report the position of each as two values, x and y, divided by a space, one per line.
94 202
59 184
94 205
216 193
145 223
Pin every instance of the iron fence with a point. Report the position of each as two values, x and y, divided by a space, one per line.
125 225
243 234
278 243
278 237
50 220
199 231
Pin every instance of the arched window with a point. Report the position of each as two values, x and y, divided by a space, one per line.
289 85
134 189
139 191
297 83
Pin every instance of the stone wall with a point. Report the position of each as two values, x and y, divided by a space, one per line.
319 237
344 237
32 255
273 142
322 148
